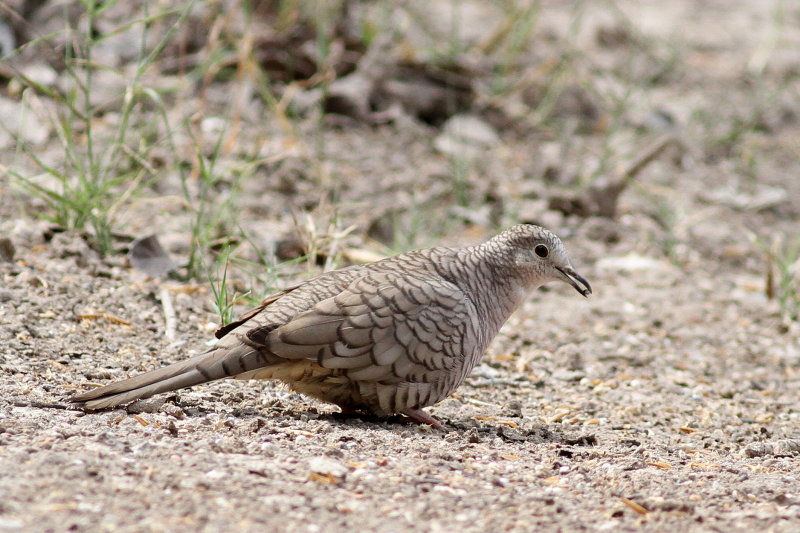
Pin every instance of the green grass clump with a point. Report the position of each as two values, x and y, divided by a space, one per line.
101 168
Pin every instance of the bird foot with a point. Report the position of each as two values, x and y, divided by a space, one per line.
418 415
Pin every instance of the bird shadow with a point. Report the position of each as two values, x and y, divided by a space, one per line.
474 430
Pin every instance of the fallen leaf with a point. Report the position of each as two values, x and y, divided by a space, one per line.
328 479
558 417
703 465
104 316
185 289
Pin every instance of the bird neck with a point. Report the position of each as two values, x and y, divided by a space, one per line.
494 283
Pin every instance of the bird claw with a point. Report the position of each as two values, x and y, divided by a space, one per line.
415 415
418 415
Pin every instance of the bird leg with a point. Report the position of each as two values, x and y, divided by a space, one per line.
418 415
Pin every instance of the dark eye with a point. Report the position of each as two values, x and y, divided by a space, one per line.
541 250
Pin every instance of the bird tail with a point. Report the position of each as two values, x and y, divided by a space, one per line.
227 359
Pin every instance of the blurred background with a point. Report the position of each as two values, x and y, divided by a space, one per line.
273 138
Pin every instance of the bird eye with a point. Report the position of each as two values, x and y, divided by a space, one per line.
541 250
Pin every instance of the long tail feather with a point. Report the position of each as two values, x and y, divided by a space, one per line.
217 363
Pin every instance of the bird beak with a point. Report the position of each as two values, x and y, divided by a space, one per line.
576 280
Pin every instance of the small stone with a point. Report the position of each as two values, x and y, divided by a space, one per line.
149 256
173 410
473 436
150 405
513 408
172 429
327 467
466 136
485 371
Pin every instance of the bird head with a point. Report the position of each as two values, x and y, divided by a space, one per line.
542 257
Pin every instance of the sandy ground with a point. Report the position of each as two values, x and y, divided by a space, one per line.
668 401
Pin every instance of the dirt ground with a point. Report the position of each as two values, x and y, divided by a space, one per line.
668 401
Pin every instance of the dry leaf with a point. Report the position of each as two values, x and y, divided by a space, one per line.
703 465
558 417
185 289
635 506
104 316
328 479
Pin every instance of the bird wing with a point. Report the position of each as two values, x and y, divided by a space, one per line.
312 290
382 326
371 326
266 302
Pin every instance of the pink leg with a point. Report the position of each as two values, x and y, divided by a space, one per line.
418 415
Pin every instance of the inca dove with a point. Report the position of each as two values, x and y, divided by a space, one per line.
392 336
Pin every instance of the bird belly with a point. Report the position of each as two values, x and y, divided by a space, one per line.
382 398
326 384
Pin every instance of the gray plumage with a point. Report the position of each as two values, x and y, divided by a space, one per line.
392 336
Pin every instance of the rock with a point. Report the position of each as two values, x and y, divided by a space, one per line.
466 136
173 410
328 468
147 255
150 405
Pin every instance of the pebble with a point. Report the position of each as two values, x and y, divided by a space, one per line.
150 405
327 466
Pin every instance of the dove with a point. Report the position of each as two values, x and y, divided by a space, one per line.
393 336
